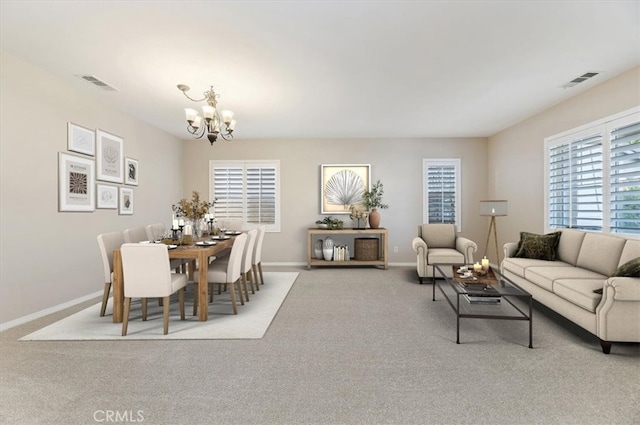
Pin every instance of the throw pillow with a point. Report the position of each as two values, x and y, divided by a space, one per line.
629 269
539 247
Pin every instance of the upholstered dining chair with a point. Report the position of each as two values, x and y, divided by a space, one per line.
155 231
147 274
257 256
135 234
107 242
439 243
228 273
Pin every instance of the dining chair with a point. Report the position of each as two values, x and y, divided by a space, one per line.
230 223
155 231
107 242
135 234
257 256
147 274
228 273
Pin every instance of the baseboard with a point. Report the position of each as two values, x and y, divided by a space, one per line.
28 318
298 264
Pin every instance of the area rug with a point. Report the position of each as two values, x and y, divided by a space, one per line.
251 322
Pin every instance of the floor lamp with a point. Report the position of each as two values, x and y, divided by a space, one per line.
493 209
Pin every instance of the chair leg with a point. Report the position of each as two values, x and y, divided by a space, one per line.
105 298
181 301
165 315
260 270
196 297
243 286
252 280
125 316
256 275
233 298
144 309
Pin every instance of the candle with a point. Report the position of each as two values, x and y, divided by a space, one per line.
477 267
181 222
485 264
174 224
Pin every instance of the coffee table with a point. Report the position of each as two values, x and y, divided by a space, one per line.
513 300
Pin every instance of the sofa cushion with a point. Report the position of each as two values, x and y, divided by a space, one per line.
569 245
444 255
545 276
629 269
519 265
439 235
580 292
600 253
630 251
539 247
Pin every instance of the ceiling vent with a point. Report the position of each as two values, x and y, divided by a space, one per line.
92 79
580 79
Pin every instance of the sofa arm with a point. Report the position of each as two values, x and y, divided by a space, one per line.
510 249
420 248
618 314
622 288
467 247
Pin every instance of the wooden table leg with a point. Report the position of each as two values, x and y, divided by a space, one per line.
203 288
118 287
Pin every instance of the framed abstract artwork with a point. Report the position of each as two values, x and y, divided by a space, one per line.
126 201
109 157
76 183
131 171
81 139
342 185
107 196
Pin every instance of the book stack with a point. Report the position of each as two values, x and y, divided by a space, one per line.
341 253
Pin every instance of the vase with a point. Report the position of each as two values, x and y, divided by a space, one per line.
327 249
374 219
318 249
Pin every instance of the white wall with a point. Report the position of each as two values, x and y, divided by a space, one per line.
50 257
516 155
397 163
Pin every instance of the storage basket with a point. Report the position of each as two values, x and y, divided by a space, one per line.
366 249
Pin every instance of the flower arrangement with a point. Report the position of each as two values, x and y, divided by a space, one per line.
356 214
193 209
373 198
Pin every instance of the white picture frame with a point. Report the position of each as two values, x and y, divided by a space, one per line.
131 171
106 196
76 183
81 139
342 185
125 202
109 157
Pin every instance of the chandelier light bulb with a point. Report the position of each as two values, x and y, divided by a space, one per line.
227 116
191 115
197 122
208 112
231 126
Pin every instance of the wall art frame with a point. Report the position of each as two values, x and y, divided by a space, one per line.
131 171
342 185
81 139
109 157
106 196
125 203
76 183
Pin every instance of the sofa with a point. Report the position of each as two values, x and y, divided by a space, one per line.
592 279
439 243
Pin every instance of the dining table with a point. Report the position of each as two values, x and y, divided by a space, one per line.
192 252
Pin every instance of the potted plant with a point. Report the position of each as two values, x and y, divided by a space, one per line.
372 200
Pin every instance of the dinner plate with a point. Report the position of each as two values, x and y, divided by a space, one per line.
232 233
205 243
220 237
172 246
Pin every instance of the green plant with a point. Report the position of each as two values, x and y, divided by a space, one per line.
195 209
331 223
373 198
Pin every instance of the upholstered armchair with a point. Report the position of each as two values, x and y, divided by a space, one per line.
438 243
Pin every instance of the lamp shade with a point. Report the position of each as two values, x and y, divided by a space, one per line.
493 208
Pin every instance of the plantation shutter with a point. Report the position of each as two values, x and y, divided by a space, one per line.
261 195
228 192
625 179
442 191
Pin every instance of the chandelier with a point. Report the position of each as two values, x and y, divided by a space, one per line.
212 118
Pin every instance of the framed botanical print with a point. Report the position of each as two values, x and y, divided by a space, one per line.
131 171
81 139
126 201
76 183
107 196
109 157
342 185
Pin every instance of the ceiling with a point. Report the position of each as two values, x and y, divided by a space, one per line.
314 69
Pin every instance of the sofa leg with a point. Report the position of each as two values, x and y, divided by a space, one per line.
420 280
606 346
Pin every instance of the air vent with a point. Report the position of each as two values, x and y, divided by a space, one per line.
580 79
92 79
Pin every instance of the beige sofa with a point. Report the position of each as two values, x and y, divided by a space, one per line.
584 262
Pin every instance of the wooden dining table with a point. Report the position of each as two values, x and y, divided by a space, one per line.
188 252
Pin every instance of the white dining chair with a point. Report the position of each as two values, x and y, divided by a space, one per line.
155 231
147 274
228 273
135 234
257 255
107 242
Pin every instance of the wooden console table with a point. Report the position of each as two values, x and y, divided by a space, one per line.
380 233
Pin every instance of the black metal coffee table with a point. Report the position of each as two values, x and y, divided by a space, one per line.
502 300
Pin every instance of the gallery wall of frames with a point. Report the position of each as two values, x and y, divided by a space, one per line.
94 173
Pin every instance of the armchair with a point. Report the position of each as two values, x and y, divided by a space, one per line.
438 243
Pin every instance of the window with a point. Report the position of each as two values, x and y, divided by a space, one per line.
441 187
593 176
247 190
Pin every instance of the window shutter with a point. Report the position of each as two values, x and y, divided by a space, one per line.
442 191
228 192
625 179
586 183
261 195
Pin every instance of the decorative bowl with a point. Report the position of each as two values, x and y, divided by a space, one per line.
322 225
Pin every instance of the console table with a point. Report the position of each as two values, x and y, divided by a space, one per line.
380 233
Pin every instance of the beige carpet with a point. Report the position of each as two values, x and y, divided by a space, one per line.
251 322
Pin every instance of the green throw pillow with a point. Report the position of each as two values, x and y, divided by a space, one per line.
539 247
629 269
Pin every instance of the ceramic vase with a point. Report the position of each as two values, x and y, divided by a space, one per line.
374 219
327 249
318 250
